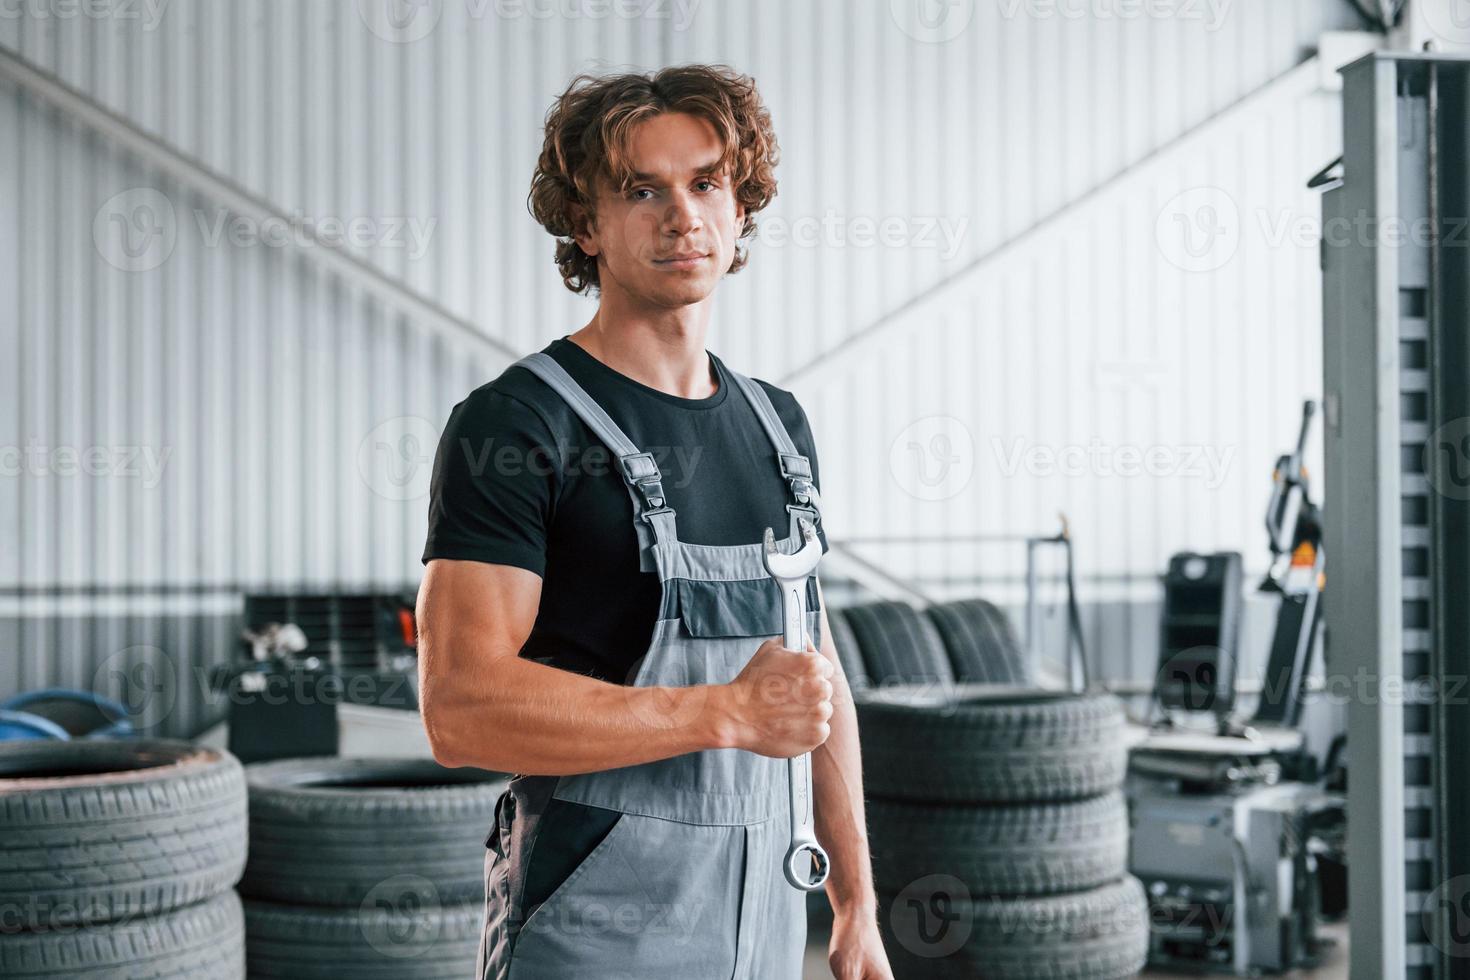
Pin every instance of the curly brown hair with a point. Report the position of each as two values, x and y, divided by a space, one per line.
588 130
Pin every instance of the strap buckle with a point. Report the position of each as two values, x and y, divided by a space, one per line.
797 470
641 470
810 513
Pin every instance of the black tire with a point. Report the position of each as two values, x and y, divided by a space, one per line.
1101 934
393 941
327 831
205 941
100 831
899 644
981 643
1009 851
990 744
848 652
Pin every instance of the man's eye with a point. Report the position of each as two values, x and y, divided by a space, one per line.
638 191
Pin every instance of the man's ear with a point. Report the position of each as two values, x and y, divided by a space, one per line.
583 229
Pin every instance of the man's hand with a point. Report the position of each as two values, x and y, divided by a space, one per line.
779 704
856 950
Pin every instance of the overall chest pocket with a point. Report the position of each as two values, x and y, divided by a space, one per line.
741 607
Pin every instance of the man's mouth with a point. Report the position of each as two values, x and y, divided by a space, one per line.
683 260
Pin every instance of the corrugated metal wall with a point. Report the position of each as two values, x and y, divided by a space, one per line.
196 412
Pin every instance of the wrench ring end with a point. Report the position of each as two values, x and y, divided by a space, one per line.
816 877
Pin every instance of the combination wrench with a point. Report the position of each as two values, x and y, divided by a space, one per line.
791 573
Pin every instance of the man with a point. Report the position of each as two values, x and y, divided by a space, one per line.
595 616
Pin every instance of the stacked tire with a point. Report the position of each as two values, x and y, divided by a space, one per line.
366 868
999 834
117 859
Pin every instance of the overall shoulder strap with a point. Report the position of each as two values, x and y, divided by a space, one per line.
796 469
640 470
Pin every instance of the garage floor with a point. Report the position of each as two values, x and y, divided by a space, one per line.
1334 966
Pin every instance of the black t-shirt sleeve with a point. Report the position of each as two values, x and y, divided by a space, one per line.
496 481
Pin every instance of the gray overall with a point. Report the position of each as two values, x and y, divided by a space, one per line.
687 883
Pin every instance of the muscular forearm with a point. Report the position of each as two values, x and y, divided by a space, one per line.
837 787
524 717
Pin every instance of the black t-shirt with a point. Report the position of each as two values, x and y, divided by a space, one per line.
520 480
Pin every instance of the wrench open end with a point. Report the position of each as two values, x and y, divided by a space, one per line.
798 565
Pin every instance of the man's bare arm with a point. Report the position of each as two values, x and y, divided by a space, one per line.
484 706
837 788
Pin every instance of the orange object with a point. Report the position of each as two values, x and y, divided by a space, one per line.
1305 554
410 630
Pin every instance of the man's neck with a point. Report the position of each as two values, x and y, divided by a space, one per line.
666 353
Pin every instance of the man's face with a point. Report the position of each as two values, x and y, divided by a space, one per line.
667 239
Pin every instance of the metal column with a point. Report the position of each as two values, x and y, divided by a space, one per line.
1397 452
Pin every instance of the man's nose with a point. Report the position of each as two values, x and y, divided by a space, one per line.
682 216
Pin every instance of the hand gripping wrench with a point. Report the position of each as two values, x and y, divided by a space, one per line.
791 573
